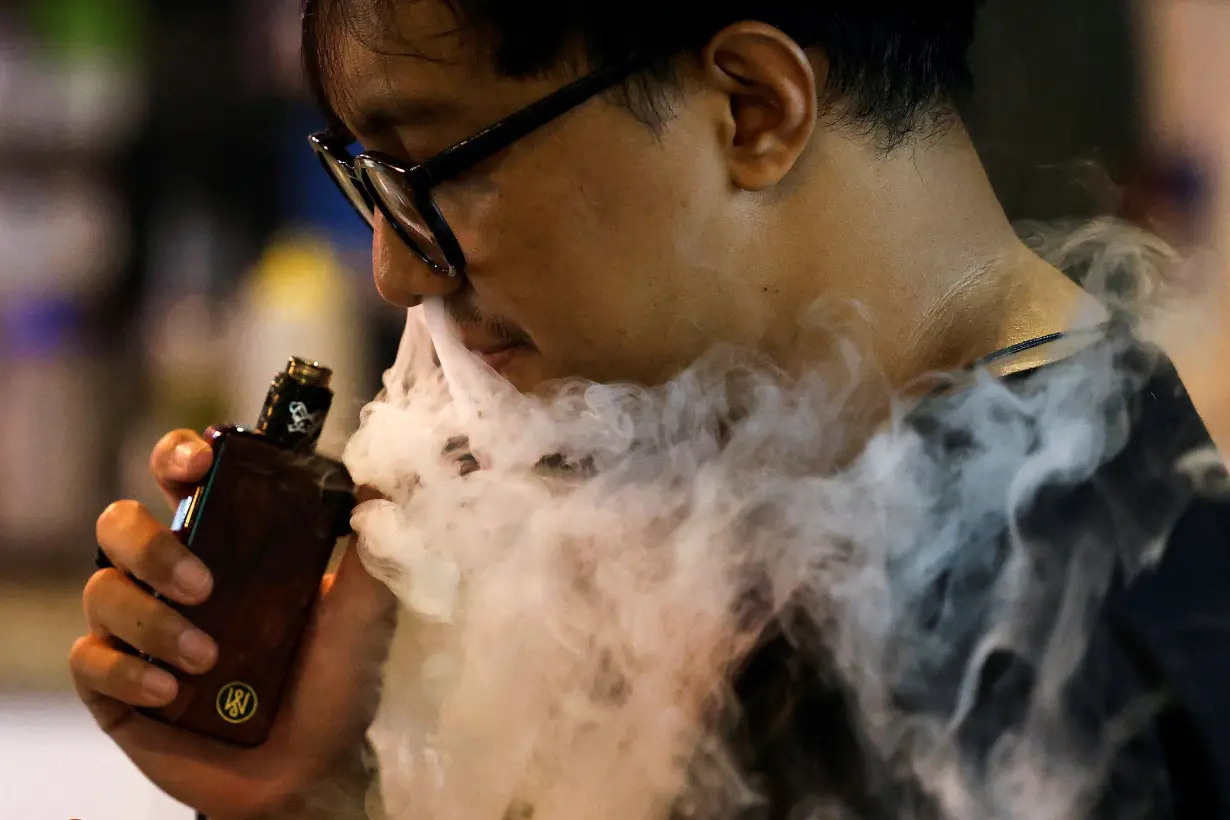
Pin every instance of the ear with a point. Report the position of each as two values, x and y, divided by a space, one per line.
771 86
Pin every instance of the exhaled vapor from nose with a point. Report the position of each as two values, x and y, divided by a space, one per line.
568 635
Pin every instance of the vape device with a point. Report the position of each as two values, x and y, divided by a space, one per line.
265 521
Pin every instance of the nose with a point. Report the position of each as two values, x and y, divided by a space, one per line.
402 278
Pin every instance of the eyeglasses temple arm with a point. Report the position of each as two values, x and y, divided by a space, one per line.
465 155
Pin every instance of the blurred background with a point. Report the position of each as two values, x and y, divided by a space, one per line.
167 240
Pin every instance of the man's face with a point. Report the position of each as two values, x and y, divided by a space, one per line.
604 250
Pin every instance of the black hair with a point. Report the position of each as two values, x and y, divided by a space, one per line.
892 63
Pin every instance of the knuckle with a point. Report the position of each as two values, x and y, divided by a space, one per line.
117 517
77 657
96 589
114 676
166 445
136 541
94 667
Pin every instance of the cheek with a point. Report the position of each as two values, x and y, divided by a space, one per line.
589 257
474 211
529 237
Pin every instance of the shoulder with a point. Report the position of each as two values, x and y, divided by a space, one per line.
1158 507
1115 502
1067 574
1174 614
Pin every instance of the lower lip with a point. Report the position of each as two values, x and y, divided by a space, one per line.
499 359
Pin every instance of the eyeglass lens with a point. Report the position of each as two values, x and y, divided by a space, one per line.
393 194
350 185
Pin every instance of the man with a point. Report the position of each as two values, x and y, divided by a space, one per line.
664 177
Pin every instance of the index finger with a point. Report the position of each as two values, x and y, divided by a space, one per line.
138 544
179 461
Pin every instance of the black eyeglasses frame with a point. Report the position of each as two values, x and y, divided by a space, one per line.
353 173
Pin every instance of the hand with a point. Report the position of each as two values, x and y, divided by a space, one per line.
330 698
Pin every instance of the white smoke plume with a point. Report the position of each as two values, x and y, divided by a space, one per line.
584 577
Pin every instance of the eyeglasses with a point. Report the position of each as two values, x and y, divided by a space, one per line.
404 195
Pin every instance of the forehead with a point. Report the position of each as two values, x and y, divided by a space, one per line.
371 60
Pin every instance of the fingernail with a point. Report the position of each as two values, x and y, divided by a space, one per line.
158 684
185 453
191 576
196 648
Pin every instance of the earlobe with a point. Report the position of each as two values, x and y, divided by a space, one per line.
772 89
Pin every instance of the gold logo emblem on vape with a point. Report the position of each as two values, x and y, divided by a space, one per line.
236 702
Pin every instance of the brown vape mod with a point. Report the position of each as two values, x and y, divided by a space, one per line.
265 521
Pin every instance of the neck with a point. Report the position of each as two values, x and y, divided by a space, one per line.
918 241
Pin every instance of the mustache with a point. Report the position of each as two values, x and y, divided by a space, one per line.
462 313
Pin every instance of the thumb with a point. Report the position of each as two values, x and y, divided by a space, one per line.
343 654
352 597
